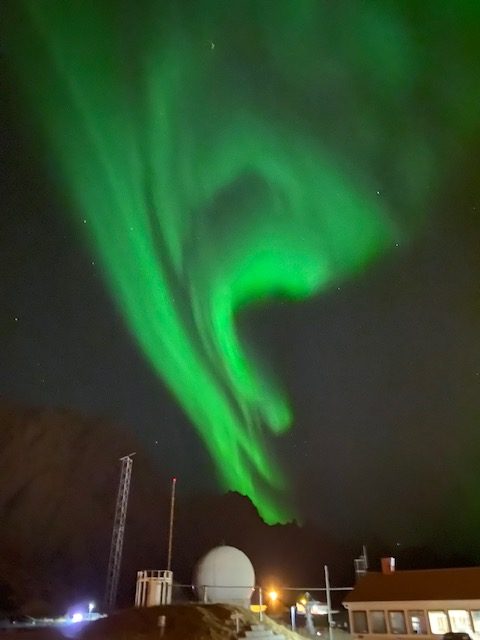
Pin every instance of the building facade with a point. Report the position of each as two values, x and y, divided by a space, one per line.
407 604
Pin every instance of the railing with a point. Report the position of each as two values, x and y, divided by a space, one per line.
286 599
154 587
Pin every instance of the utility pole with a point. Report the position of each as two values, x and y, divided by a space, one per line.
170 528
116 548
329 603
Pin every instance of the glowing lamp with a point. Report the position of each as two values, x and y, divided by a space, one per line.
257 608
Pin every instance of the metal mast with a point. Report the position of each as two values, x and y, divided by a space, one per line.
115 560
170 529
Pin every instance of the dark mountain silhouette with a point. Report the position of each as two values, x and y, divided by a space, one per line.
59 479
59 474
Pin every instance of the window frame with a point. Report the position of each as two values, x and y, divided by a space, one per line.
365 613
371 624
445 613
410 613
468 616
474 627
397 633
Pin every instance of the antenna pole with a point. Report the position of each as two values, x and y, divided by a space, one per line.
116 548
329 603
365 557
170 530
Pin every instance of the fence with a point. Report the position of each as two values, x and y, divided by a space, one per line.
286 599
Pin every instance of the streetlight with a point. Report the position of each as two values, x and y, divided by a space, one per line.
91 607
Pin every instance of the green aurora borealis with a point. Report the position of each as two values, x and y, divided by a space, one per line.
213 166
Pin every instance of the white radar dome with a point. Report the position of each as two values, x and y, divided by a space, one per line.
225 574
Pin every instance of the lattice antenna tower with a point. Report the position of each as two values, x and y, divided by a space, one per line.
116 548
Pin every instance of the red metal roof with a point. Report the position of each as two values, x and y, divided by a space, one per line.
431 584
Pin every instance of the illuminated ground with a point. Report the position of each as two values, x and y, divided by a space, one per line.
192 621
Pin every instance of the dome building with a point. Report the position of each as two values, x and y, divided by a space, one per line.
225 574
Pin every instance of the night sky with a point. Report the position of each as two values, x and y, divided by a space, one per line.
381 364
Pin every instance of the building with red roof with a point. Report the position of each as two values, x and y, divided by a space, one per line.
426 603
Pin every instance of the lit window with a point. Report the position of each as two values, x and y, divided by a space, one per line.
360 624
397 622
438 622
460 620
476 621
377 622
418 622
